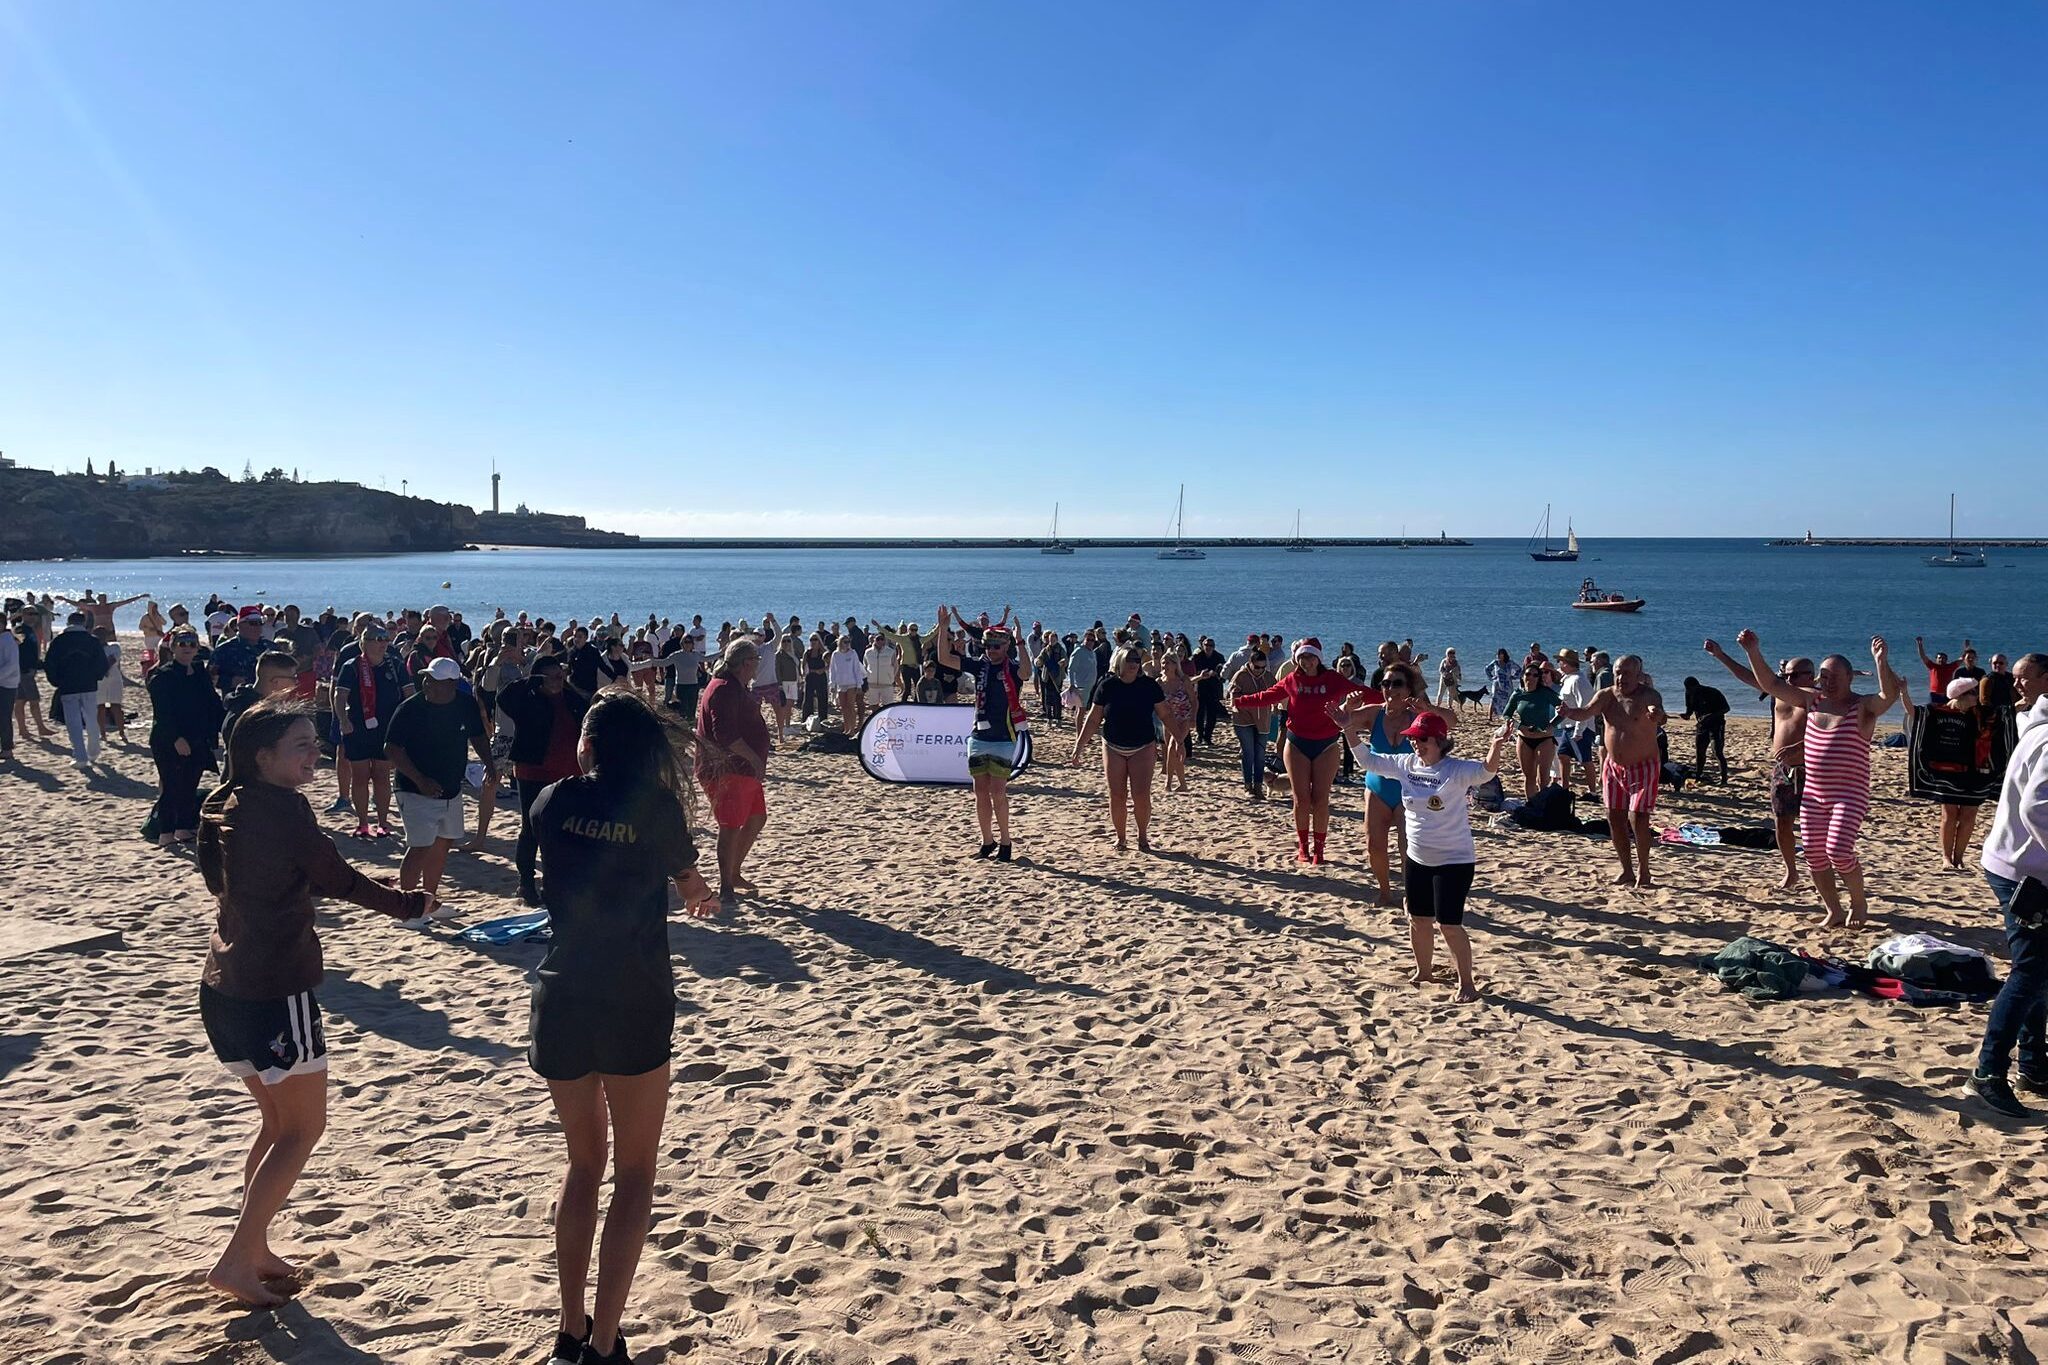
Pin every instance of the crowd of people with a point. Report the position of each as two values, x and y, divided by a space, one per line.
589 722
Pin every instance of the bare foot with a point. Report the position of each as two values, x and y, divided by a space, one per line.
244 1282
272 1266
743 886
1625 877
1858 918
1386 900
1789 882
1122 847
1833 921
475 845
1644 881
1144 844
1467 994
1419 976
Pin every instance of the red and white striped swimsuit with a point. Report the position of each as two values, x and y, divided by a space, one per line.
1837 794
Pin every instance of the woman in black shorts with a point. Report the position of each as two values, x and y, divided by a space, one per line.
264 858
612 842
1124 707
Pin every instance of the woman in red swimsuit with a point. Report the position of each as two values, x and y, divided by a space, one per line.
1310 694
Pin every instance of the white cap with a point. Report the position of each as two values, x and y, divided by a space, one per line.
1961 687
445 670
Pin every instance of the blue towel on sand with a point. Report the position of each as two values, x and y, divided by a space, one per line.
531 927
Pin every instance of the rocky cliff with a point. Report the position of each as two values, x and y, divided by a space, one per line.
47 516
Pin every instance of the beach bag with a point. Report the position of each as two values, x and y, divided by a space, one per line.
1489 795
830 742
1071 698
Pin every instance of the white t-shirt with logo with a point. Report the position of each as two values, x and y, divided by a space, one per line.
1433 802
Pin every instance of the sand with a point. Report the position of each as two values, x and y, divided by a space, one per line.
1090 1106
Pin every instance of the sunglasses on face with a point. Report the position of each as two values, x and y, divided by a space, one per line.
1395 685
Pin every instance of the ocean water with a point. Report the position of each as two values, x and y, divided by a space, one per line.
1800 600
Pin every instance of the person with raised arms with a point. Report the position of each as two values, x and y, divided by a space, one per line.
1440 860
999 724
1310 692
264 858
1839 726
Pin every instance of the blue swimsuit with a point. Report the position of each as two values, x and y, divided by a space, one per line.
1386 788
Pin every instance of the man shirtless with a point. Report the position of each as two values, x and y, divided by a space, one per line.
1839 725
99 611
1788 753
1633 711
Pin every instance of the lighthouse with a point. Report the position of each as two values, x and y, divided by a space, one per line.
494 488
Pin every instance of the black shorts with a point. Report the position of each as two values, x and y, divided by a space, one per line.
363 746
573 1037
1311 749
267 1039
1438 893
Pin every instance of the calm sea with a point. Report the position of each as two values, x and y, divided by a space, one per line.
1811 601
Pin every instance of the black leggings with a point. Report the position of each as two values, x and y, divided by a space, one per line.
814 696
526 852
1711 733
1438 893
177 805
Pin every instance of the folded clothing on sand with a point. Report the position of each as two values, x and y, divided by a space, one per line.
1934 964
1759 968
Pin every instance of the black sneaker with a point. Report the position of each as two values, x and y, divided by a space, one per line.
2036 1081
987 851
618 1356
569 1349
1996 1094
1002 853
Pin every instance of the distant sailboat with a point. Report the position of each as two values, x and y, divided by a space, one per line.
1055 546
1298 546
1180 551
1550 554
1969 557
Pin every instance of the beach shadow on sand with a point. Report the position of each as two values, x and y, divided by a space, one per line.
722 950
386 1011
16 1050
111 783
289 1332
1269 921
1741 1059
872 939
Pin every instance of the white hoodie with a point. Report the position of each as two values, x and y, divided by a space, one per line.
2017 845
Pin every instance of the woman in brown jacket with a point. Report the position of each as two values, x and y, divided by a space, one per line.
265 858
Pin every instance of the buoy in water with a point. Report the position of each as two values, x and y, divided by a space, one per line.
447 585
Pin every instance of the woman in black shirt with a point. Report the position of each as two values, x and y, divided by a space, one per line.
1123 708
612 843
185 716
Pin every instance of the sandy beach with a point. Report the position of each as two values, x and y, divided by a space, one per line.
1090 1106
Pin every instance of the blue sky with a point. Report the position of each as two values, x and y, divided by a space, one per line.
924 268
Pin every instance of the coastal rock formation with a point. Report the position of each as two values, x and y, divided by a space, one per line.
52 516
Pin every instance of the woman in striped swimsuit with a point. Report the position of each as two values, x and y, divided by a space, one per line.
1839 726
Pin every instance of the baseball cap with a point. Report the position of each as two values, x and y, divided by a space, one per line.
1961 687
1427 725
445 670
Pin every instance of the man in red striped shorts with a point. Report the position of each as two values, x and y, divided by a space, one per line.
1634 711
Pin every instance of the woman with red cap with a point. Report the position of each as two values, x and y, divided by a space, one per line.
1440 859
1310 692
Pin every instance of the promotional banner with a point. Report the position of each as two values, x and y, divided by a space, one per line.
925 745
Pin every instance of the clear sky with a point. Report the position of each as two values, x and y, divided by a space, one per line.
921 268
